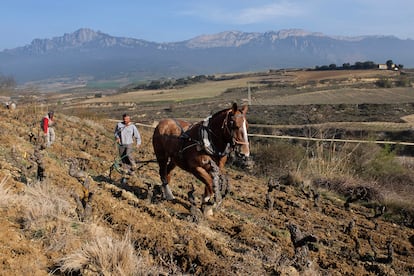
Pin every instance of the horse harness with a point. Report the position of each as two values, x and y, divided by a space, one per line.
204 141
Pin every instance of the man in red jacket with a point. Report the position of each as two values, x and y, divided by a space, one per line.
47 128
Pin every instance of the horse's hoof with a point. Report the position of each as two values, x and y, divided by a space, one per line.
166 191
169 198
206 199
207 210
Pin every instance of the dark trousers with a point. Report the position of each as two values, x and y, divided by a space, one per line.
125 152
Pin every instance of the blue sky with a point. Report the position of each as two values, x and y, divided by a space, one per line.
21 21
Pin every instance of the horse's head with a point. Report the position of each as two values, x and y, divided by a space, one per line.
237 126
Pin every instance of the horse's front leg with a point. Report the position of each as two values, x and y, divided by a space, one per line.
223 185
202 174
209 174
215 174
221 162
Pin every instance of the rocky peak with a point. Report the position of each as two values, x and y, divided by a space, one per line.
80 36
223 39
236 38
282 34
69 40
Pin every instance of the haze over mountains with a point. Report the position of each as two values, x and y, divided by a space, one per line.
93 54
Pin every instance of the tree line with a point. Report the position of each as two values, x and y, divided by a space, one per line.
170 83
359 66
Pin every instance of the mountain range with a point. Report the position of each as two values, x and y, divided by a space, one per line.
96 55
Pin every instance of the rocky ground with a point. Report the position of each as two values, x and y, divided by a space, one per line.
287 229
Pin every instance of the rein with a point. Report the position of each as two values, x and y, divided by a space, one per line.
240 142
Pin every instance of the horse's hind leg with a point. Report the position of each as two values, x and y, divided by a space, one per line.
165 187
165 175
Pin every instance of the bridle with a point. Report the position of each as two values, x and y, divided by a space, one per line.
230 129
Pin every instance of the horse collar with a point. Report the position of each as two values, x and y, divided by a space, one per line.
206 121
204 135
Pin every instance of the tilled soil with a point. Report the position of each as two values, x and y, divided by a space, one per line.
249 234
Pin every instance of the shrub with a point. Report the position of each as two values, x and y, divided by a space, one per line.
276 157
384 83
403 82
382 165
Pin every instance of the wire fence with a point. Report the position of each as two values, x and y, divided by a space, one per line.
360 141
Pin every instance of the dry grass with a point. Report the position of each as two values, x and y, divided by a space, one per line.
48 216
329 159
316 158
105 255
7 198
45 201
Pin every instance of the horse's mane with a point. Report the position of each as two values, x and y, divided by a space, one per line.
222 111
216 114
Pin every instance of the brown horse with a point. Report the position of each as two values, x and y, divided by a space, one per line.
200 148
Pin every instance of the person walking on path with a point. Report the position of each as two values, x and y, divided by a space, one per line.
125 132
46 125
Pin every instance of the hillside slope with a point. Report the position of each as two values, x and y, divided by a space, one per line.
44 230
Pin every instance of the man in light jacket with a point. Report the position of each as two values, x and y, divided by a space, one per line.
125 132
